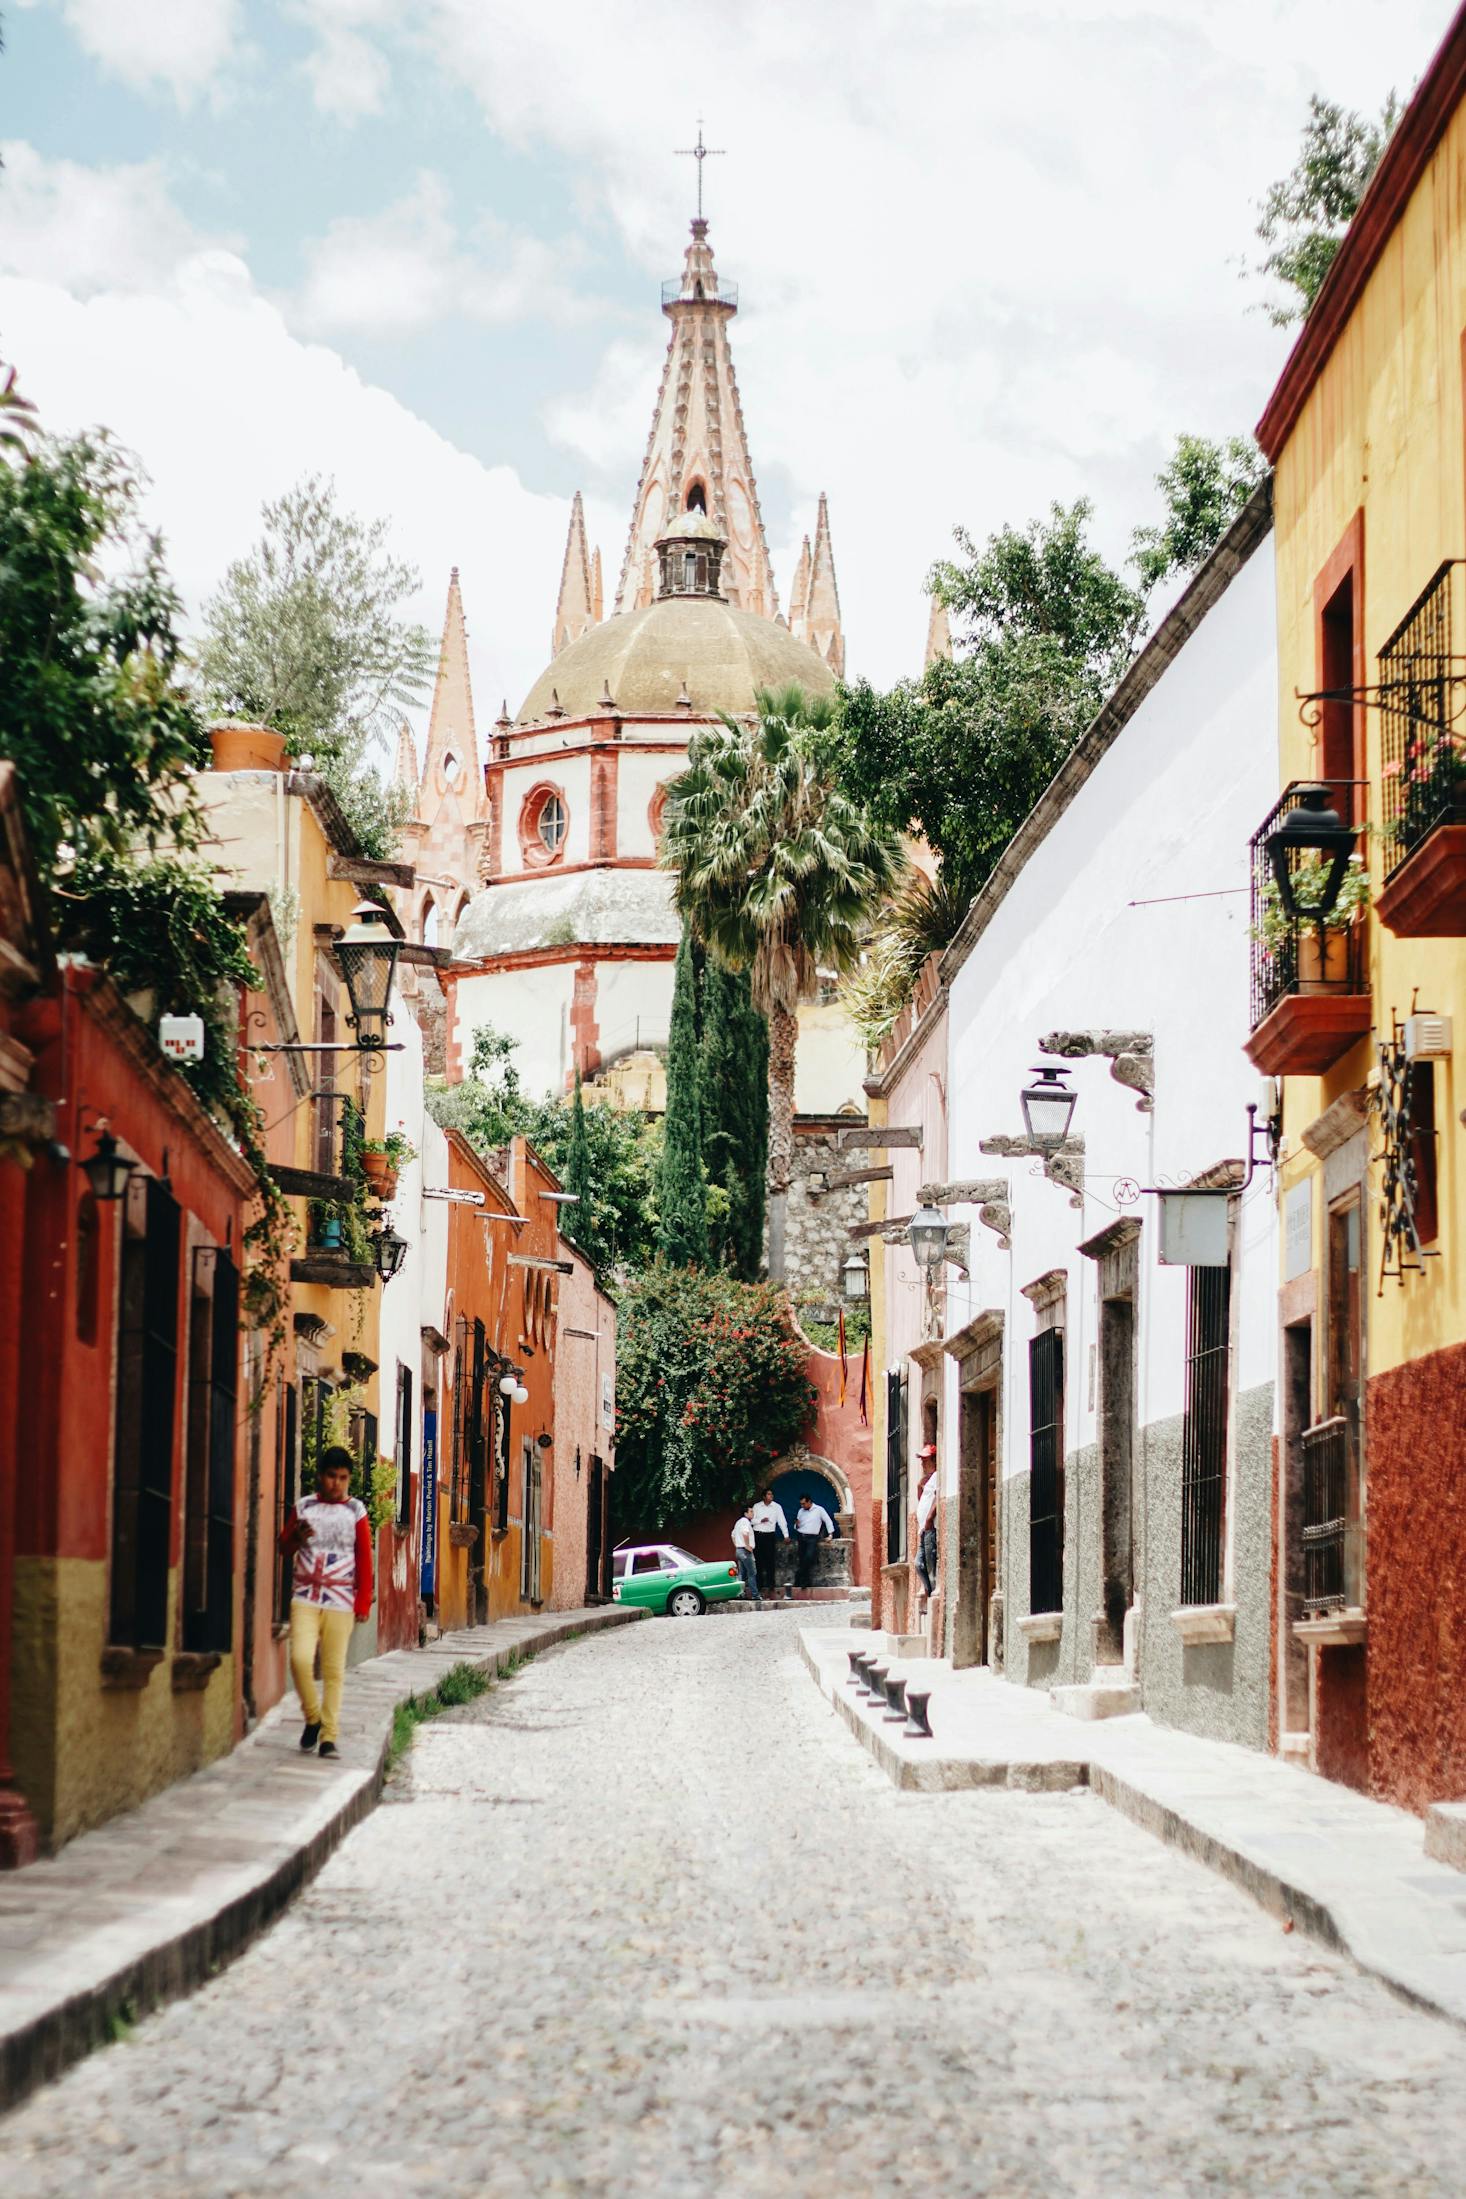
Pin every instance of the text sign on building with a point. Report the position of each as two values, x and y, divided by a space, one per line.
429 1567
608 1405
182 1037
1298 1229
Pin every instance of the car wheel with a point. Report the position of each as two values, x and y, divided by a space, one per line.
685 1603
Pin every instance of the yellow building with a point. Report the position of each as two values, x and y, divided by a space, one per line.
1359 1018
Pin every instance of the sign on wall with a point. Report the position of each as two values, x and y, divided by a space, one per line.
1298 1229
608 1404
428 1570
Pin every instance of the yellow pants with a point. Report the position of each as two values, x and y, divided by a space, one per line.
311 1623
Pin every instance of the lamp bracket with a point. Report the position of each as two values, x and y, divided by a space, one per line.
1384 695
1062 1164
966 1192
1131 1056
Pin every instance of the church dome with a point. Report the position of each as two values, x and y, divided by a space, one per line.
692 646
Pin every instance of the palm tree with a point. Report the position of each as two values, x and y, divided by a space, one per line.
778 874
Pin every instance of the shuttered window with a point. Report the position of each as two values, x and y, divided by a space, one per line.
896 1468
1046 1471
142 1451
404 1446
213 1388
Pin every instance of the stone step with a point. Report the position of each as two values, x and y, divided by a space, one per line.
1445 1833
1096 1699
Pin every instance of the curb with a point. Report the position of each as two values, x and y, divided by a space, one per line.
1277 1894
84 2013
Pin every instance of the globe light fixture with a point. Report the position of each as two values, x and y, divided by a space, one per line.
367 957
855 1279
107 1170
1048 1106
390 1251
521 1394
508 1384
1313 828
926 1233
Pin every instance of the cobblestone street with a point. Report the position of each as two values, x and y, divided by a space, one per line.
646 1919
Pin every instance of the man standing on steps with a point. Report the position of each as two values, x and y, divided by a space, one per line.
811 1521
743 1551
769 1524
329 1539
926 1524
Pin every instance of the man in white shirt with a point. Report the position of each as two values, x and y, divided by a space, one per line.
769 1524
811 1521
743 1552
926 1521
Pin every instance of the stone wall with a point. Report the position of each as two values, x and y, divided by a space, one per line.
818 1224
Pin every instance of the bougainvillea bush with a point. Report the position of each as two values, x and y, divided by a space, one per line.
710 1386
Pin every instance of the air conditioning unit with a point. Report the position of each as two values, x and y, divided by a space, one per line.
1427 1038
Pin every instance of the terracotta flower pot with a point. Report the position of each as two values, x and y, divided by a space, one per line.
247 748
1323 959
381 1174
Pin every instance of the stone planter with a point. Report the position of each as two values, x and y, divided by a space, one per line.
247 748
1323 959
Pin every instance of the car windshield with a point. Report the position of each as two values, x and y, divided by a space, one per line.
674 1559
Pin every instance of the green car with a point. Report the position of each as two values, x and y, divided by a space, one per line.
664 1578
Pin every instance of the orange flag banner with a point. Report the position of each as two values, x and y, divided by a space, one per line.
842 1355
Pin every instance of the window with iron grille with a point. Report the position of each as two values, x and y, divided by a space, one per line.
1046 1471
1204 1433
1325 1516
142 1452
1423 774
896 1467
404 1445
213 1387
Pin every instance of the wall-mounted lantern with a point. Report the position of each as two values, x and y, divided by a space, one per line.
107 1170
1048 1106
855 1279
1314 827
926 1233
390 1251
367 957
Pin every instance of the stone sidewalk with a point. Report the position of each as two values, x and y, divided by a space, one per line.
156 1900
1351 1872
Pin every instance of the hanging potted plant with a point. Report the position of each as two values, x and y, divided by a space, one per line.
381 1158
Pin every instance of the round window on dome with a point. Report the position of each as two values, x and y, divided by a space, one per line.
544 823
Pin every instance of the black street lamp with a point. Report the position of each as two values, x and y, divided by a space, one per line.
367 956
1314 828
855 1279
926 1233
1048 1106
389 1251
107 1170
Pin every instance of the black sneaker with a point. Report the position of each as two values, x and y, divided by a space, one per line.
310 1735
329 1748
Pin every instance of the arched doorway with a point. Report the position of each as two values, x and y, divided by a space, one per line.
804 1473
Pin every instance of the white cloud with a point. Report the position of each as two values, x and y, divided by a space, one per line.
90 229
348 73
408 267
201 376
182 44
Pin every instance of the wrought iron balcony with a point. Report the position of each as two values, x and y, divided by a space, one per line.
1422 693
1310 982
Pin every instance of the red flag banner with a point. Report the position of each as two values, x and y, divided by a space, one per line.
865 1385
842 1354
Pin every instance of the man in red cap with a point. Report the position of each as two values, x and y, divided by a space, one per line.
926 1519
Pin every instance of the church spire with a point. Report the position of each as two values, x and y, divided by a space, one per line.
452 758
938 634
578 609
697 454
814 612
405 766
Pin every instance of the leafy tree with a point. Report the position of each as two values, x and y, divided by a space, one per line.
779 871
1204 485
735 1117
681 1191
94 712
1303 218
615 1224
962 754
710 1386
306 634
577 1172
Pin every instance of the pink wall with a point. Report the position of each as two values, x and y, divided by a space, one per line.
585 1350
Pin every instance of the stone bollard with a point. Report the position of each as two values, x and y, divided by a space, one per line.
918 1721
896 1698
857 1659
875 1680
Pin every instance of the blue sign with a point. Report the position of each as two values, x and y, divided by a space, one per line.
429 1544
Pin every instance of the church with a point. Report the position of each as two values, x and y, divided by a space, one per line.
537 861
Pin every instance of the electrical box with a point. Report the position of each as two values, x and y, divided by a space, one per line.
1427 1038
182 1037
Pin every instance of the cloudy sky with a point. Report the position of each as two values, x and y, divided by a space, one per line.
989 256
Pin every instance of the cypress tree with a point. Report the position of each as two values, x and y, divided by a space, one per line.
681 1191
735 1114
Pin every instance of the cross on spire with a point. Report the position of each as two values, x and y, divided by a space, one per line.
700 152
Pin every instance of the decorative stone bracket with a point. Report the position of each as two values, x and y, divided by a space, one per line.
1063 1164
1131 1055
989 1194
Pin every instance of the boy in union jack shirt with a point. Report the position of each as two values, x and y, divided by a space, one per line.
329 1540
